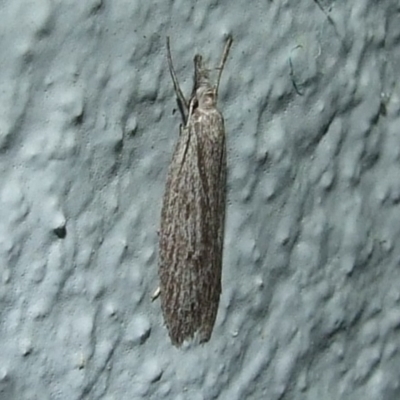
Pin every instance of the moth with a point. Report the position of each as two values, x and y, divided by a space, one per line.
193 211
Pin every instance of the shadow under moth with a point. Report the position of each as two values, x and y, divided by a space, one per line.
193 210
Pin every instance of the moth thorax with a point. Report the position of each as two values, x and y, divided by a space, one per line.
205 97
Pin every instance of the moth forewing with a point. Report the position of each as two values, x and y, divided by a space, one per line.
193 212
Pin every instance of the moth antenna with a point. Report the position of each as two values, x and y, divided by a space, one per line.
225 53
183 104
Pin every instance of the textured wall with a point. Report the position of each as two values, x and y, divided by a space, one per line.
310 307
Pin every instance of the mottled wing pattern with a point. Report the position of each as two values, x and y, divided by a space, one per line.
192 224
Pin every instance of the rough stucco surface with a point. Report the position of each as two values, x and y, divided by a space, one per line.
310 307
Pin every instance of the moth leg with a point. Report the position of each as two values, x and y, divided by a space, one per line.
187 140
183 104
191 107
225 53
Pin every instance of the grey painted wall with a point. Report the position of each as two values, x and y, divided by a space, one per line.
310 307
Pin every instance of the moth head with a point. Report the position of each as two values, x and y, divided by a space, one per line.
201 76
